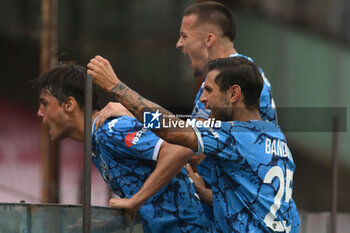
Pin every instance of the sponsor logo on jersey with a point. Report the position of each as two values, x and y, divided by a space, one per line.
129 138
111 124
132 138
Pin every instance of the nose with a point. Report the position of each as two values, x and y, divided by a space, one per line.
40 113
179 44
203 98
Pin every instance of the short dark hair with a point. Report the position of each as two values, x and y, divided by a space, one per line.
215 13
239 70
63 81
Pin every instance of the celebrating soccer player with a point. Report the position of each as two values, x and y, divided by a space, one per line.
124 152
251 166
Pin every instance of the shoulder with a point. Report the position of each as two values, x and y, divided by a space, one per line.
256 129
121 124
241 55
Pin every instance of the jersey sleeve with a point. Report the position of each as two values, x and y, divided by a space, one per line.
126 136
199 110
215 141
267 104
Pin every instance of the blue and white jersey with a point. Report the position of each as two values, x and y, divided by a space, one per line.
267 112
267 104
125 153
251 177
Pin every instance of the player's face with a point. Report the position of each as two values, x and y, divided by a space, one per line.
53 115
214 99
192 44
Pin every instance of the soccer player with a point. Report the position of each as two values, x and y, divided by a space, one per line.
124 152
251 165
207 32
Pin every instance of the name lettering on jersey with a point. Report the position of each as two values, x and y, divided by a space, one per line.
111 124
276 147
132 138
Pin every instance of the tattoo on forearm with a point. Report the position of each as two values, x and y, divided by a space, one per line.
137 105
130 98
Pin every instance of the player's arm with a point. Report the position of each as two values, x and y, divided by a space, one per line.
105 77
196 159
205 194
171 159
112 109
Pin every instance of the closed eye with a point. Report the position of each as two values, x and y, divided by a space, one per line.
183 35
42 101
208 89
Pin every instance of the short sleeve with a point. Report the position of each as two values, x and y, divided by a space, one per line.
199 110
126 136
216 141
208 139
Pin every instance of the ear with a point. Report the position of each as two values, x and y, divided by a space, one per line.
234 93
210 40
70 104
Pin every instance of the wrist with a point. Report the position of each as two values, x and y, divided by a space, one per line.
113 86
202 191
137 201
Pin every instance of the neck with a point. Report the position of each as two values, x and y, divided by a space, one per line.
223 48
243 113
78 134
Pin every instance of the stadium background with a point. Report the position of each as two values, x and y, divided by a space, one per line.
303 47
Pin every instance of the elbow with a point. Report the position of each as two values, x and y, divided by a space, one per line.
185 155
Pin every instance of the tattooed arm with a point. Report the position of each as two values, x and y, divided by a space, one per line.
104 76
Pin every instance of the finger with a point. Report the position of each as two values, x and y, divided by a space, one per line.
194 168
196 174
132 217
111 202
189 169
92 70
101 121
101 59
89 71
94 63
97 123
98 57
93 74
90 65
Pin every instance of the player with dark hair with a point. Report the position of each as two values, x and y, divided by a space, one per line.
251 165
208 31
124 152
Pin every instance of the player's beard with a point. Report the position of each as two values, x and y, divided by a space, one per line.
220 114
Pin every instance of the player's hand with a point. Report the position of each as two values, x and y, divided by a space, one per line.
205 194
195 160
127 204
102 73
112 109
198 181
